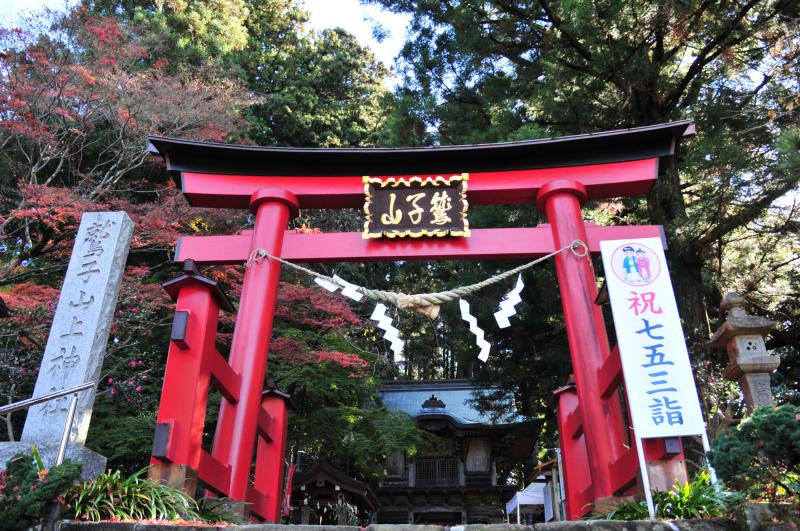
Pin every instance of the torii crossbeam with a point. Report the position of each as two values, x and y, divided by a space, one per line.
557 175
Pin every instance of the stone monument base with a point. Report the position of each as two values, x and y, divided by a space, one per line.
94 464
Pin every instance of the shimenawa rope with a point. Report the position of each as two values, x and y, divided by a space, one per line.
421 301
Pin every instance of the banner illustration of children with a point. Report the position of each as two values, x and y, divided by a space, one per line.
635 264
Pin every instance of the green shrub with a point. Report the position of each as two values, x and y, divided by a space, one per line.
699 498
761 456
112 497
628 510
28 490
221 511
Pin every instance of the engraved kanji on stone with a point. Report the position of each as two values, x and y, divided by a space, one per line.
56 405
82 301
99 230
64 360
88 269
95 249
95 235
79 334
74 328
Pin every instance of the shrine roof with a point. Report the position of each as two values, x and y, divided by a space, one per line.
648 142
323 470
455 399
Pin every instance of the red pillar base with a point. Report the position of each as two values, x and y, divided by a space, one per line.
175 475
577 477
192 363
265 493
665 466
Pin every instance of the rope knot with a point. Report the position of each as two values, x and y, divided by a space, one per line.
418 304
579 248
256 257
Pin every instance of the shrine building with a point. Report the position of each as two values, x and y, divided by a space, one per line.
453 479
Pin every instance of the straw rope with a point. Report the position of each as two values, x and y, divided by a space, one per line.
420 301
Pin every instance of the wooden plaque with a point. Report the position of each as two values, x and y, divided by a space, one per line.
399 207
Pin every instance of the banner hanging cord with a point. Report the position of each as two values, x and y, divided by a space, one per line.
419 301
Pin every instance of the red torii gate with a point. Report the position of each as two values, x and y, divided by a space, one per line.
559 175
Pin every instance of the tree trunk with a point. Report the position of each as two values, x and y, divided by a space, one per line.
666 207
685 265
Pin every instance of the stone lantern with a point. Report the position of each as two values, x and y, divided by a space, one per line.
742 335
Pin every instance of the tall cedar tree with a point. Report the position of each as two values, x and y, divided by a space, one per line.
477 71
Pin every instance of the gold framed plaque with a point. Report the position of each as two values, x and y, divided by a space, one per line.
413 207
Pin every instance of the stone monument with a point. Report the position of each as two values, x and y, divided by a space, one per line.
742 335
77 342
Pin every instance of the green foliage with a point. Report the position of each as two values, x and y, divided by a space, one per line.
37 458
28 490
184 31
123 436
316 358
761 455
327 92
699 498
221 510
347 512
789 148
112 497
629 510
335 419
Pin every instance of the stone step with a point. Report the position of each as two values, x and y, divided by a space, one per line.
717 524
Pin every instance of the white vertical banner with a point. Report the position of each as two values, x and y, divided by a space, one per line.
662 396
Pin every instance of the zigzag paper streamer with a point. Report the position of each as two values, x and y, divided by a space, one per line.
475 329
349 290
327 284
507 309
391 334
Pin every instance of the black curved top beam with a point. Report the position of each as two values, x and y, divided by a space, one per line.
595 148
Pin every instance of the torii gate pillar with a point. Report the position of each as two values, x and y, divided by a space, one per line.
561 200
236 427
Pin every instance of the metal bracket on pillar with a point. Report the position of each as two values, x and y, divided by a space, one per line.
672 446
180 323
161 440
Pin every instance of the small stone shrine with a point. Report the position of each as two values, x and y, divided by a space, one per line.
77 342
742 335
